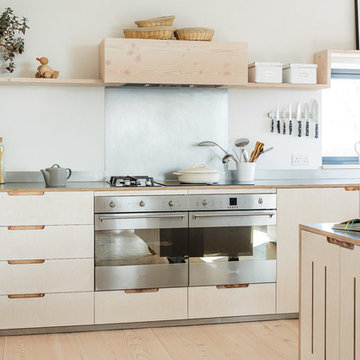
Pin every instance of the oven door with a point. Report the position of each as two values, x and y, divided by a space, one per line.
232 247
141 250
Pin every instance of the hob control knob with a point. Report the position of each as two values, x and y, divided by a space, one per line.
112 204
260 201
142 204
171 203
204 202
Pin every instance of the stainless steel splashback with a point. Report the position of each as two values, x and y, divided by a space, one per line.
154 131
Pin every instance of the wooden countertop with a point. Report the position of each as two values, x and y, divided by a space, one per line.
349 184
325 229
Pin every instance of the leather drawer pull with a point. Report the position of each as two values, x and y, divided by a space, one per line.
234 286
25 193
342 244
352 188
26 296
32 227
21 262
135 291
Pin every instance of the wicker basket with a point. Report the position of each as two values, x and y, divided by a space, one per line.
158 21
159 33
195 34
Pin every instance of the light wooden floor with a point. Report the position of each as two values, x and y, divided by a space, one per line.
242 341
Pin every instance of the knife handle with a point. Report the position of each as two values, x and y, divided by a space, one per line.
316 131
299 128
284 128
290 127
272 124
307 129
278 126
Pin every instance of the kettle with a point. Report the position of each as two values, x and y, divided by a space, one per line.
56 176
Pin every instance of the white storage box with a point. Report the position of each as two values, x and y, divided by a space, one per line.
265 72
299 73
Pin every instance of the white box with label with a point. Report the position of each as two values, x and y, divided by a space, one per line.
300 73
265 72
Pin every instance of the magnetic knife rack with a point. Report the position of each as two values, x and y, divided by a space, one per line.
272 115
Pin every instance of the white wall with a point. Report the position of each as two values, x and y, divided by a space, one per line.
68 32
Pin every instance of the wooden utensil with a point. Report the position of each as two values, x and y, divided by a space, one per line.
259 146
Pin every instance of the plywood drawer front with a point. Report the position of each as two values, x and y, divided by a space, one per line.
49 276
46 208
48 242
50 310
120 307
209 301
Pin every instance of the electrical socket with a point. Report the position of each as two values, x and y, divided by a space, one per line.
300 159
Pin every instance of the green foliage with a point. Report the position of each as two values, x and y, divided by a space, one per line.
11 42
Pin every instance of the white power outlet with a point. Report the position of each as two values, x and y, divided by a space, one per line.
300 160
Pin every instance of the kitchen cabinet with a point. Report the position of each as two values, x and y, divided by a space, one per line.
46 238
222 301
299 206
329 300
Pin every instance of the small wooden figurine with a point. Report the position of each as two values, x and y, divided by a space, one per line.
45 71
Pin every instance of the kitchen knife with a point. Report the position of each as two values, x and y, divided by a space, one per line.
290 120
284 120
298 118
306 117
272 122
315 117
277 118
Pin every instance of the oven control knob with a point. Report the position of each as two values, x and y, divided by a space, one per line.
142 204
112 204
204 202
171 203
260 201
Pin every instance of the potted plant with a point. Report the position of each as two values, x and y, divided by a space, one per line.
11 41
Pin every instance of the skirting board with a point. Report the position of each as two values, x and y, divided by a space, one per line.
151 324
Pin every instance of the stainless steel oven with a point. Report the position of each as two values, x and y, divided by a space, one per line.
232 240
141 242
194 240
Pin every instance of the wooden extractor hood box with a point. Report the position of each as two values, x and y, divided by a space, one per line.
172 62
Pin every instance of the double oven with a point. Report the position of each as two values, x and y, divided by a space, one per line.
144 242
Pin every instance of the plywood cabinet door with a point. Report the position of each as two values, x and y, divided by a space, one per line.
350 304
319 300
304 206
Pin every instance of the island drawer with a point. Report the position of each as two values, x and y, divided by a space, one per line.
39 276
46 208
212 301
44 310
146 305
46 242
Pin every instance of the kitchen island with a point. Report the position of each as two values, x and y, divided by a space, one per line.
329 293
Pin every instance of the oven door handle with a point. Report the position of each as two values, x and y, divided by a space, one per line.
270 214
103 218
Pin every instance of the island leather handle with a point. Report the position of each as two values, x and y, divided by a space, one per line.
26 296
137 291
233 286
352 188
342 244
22 262
31 227
25 193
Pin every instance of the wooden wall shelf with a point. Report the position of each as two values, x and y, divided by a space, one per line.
282 86
51 82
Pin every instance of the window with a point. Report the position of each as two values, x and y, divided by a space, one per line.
341 118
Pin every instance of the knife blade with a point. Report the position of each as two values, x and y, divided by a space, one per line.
298 118
290 120
284 120
277 118
315 117
306 117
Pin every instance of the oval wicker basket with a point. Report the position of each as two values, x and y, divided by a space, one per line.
158 21
159 33
194 34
